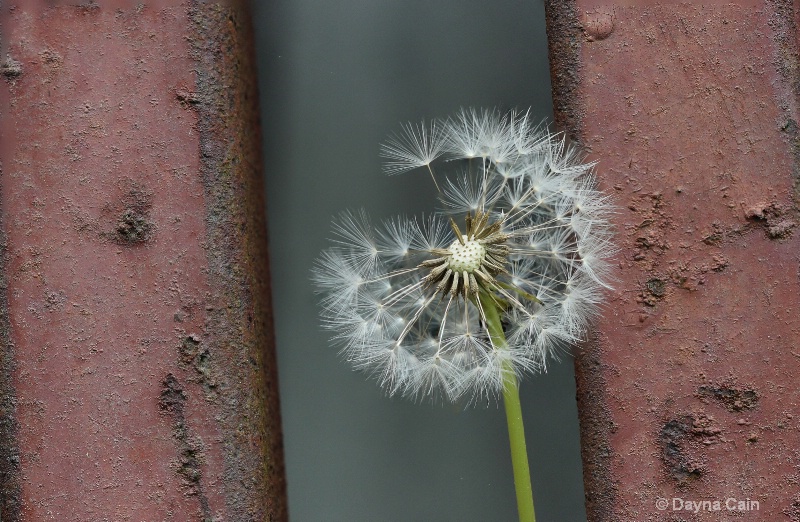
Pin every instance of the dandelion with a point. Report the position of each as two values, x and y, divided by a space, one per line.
407 301
504 277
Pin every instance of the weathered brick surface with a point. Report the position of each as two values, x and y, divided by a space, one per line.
689 389
138 371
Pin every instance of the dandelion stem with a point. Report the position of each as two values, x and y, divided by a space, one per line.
519 452
516 430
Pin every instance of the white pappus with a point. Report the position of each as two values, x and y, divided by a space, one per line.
521 227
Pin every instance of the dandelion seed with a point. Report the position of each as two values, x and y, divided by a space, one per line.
522 232
417 146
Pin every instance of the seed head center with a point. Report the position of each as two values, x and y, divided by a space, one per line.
467 257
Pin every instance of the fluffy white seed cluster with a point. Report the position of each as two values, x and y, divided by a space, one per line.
522 227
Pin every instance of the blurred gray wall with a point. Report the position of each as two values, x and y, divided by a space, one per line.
336 78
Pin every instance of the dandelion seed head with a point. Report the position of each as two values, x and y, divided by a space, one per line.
522 227
466 255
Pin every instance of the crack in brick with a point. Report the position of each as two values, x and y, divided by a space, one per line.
173 401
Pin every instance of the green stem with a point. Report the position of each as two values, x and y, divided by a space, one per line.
516 430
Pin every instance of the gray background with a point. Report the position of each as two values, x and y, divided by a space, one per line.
336 78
